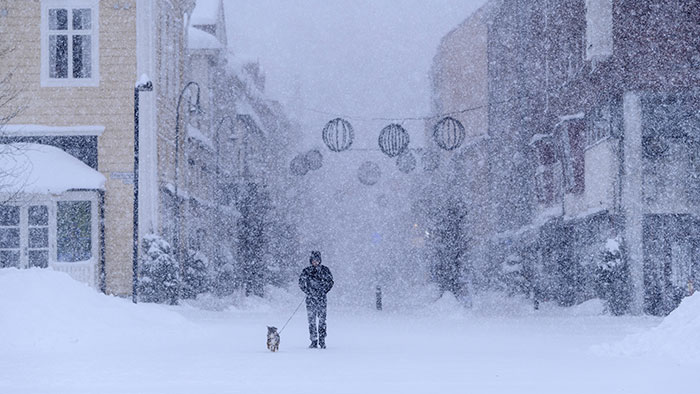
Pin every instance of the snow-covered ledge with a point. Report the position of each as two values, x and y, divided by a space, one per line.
44 169
30 130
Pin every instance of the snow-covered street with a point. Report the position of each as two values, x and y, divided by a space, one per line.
476 196
67 338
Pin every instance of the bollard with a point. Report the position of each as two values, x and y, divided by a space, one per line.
379 298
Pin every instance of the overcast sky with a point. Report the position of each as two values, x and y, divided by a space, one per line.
367 58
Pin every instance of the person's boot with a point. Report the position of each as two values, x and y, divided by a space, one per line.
313 345
322 343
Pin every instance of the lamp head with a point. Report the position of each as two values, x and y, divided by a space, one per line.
196 108
145 87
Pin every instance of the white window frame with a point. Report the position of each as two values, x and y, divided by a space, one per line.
84 271
70 81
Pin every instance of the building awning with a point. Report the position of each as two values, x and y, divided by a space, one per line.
198 39
206 12
44 169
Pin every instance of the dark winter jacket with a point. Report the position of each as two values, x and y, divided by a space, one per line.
315 282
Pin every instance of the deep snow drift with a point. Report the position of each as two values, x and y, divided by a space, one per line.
60 336
678 336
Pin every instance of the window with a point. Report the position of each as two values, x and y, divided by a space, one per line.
599 34
73 231
38 240
60 232
544 183
681 264
69 43
600 126
24 236
9 236
544 173
573 144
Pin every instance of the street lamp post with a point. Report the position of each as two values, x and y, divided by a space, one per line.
195 109
140 87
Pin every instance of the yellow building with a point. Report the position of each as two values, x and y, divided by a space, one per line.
75 64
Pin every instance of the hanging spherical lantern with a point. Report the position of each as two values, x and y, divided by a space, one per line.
369 173
314 159
393 140
338 135
299 165
430 160
382 200
449 133
406 162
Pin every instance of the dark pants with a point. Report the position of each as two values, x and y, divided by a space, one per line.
316 309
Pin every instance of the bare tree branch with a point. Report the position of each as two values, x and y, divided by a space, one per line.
10 107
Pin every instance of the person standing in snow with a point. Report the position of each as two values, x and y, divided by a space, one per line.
316 281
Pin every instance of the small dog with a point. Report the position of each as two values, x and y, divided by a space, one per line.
273 339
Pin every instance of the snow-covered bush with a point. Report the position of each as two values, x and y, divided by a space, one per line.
158 271
569 282
612 278
224 283
512 275
195 274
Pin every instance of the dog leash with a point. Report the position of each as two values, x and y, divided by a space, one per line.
290 317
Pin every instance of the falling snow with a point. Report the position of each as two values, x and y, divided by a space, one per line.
507 194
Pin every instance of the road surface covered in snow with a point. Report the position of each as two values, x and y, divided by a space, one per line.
62 337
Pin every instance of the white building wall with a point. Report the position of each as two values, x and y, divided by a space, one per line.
632 203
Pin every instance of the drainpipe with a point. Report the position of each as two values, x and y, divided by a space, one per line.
562 183
142 86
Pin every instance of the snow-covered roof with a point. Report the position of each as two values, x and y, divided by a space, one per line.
250 122
206 12
236 63
44 169
198 39
243 108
